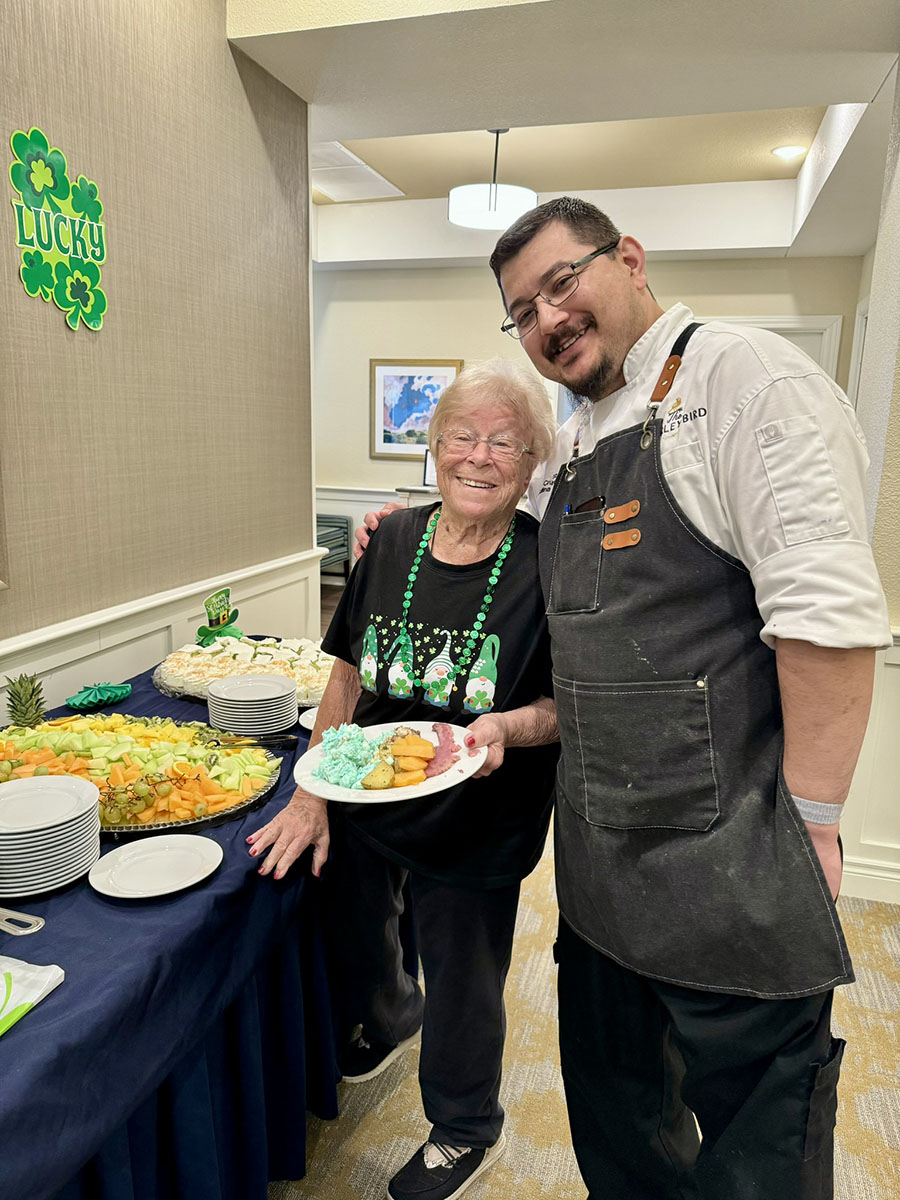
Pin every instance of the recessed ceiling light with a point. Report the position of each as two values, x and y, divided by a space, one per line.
789 152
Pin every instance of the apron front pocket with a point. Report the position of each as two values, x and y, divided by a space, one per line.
575 580
638 755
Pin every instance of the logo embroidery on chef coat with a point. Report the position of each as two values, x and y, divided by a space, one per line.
678 415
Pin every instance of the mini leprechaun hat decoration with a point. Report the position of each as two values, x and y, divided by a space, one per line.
221 617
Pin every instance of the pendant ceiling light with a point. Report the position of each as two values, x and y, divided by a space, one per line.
489 205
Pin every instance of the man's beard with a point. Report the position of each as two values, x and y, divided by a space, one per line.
597 382
599 379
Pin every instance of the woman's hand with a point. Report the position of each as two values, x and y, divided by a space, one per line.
491 731
302 822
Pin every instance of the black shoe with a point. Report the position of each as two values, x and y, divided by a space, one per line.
364 1060
440 1172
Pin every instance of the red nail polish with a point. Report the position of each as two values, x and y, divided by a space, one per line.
470 741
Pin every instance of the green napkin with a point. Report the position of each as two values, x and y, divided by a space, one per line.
22 986
96 695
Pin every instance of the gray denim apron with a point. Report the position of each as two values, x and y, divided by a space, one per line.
679 851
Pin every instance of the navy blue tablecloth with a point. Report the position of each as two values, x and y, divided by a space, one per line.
189 1037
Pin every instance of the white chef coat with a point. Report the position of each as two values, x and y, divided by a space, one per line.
765 456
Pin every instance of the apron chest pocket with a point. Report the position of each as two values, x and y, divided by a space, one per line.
638 755
575 580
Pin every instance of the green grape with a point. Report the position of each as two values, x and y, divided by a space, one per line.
136 806
200 808
114 816
42 770
163 789
16 762
141 788
5 769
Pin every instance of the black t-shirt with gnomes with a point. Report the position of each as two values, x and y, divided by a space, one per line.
485 832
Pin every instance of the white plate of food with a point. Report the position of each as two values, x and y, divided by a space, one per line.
347 757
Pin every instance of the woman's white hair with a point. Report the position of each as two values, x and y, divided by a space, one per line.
499 381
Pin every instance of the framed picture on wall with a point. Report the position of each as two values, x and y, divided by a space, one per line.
403 394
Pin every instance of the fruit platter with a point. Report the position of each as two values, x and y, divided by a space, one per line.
190 670
153 773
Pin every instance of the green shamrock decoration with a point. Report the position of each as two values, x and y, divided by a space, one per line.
36 274
39 173
77 293
85 199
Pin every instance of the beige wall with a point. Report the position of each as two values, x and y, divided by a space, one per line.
886 539
174 444
456 313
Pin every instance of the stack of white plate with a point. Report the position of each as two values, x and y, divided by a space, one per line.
49 833
253 704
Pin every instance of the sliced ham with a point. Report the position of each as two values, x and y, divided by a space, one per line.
445 754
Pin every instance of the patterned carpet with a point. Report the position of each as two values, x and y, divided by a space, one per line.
382 1122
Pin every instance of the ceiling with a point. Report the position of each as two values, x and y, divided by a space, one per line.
651 152
601 95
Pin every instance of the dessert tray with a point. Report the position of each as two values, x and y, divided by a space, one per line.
189 670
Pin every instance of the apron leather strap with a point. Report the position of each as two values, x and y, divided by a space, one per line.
672 363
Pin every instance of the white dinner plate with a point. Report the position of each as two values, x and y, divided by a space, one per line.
72 831
156 866
308 718
44 801
466 765
52 869
244 688
254 712
289 714
50 881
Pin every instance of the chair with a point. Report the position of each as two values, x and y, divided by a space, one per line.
333 535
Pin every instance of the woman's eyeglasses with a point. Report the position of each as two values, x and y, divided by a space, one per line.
501 446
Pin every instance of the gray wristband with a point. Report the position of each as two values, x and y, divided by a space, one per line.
816 813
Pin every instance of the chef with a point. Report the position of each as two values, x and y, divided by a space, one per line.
714 612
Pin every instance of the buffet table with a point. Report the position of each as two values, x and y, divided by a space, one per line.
189 1037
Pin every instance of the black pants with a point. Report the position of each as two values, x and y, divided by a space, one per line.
640 1058
465 943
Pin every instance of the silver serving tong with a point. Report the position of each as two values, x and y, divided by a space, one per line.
248 741
19 923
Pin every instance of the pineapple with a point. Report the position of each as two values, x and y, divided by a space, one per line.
25 700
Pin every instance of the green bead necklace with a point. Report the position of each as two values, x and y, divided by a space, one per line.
486 601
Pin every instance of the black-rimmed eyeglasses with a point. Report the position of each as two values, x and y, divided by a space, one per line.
559 287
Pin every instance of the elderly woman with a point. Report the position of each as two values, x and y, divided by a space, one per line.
442 619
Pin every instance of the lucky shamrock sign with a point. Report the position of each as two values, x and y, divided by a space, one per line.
58 230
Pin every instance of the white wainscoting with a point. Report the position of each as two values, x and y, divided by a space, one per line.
354 503
870 829
280 597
